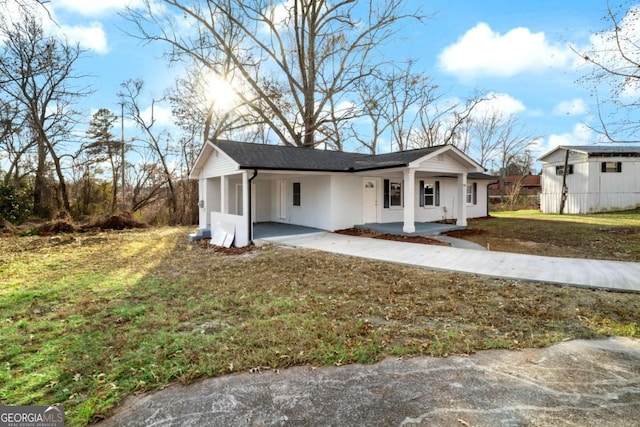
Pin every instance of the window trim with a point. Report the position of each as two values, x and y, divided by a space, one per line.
616 167
435 195
559 170
472 194
388 183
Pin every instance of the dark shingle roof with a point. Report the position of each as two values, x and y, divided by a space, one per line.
479 175
390 160
264 156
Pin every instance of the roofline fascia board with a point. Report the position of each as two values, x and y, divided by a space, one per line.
457 152
261 168
196 165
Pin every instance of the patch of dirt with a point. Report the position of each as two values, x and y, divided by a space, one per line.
121 221
204 245
394 237
461 234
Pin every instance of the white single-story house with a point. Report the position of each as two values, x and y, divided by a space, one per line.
599 178
241 184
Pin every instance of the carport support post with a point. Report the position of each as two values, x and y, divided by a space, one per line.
224 194
462 200
409 201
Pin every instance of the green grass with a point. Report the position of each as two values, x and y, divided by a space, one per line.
612 236
612 219
99 317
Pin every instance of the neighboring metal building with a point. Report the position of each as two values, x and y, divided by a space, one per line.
599 178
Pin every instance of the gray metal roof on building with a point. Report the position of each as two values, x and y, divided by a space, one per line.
605 149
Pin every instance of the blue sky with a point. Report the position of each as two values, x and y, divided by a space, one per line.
516 50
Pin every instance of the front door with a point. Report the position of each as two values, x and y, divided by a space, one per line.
282 199
370 200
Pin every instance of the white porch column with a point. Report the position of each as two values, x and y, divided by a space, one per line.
203 203
245 195
242 224
224 194
462 200
409 201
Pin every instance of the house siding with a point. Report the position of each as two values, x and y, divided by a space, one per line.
346 210
263 201
589 189
443 163
315 201
218 164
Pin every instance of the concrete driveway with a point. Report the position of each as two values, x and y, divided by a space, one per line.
575 383
624 276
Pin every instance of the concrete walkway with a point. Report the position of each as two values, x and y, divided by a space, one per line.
624 276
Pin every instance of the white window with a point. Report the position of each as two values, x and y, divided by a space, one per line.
429 193
395 193
560 170
472 194
392 193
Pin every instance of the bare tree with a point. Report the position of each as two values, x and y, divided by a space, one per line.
15 143
391 100
442 121
38 76
197 110
317 51
614 60
158 143
507 141
485 132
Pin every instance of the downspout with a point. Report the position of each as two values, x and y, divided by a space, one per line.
255 173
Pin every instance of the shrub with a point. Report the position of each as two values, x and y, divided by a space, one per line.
15 204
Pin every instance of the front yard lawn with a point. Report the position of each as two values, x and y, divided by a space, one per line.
612 236
86 320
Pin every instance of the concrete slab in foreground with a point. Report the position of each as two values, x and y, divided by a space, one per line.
579 272
575 383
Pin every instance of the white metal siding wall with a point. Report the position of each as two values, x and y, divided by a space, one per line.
590 190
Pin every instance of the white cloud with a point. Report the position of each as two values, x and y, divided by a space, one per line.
580 135
91 37
161 114
484 52
499 103
96 7
574 107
